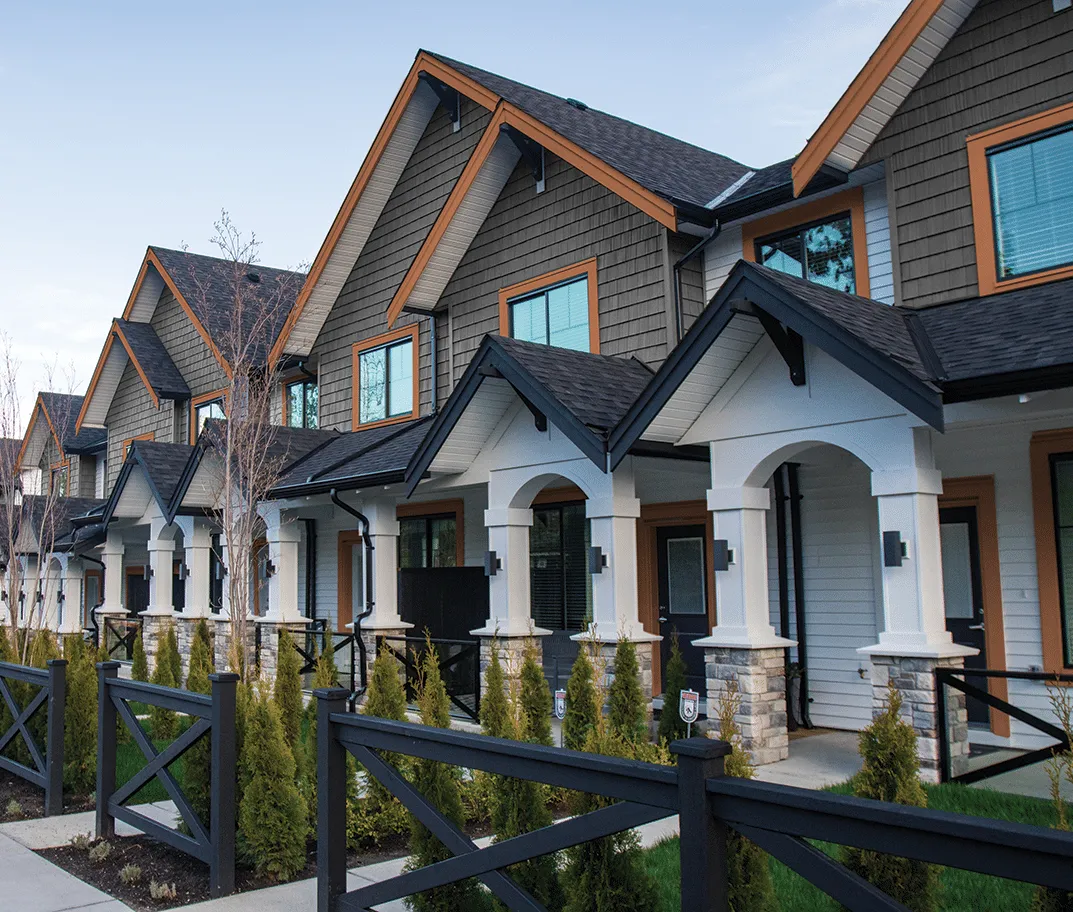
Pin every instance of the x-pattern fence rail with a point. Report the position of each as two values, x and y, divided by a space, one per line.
119 636
779 819
460 668
47 769
956 679
214 717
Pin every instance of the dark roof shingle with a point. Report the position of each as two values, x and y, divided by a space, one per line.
149 351
63 410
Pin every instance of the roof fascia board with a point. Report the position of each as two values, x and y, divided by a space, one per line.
886 56
117 491
39 408
137 366
187 476
95 379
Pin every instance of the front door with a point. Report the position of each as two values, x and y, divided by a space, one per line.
682 566
137 591
962 593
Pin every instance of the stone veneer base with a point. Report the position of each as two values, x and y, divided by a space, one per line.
761 681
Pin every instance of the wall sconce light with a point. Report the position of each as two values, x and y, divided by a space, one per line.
39 596
3 596
894 549
183 572
221 572
147 573
722 554
597 559
270 569
492 564
61 595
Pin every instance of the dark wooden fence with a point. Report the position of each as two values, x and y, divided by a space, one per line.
214 717
778 818
47 769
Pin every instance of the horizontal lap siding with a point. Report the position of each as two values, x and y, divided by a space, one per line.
1010 59
187 349
360 312
719 258
132 414
528 233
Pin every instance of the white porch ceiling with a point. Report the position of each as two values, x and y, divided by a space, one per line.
475 428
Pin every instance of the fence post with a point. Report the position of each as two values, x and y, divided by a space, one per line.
702 837
331 801
942 731
222 788
57 704
106 748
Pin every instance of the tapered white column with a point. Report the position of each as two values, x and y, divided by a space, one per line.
112 558
508 587
383 565
283 537
197 541
161 563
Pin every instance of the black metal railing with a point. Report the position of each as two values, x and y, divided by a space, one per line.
119 636
47 769
344 650
778 818
956 679
214 717
460 668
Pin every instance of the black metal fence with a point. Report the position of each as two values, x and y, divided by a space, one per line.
956 679
214 717
780 819
119 634
344 647
460 668
47 769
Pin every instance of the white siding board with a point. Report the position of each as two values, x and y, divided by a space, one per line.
877 239
719 258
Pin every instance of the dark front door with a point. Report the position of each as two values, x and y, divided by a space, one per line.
682 566
137 591
962 594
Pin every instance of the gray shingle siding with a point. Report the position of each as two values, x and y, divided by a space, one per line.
692 279
132 414
360 312
1010 59
528 233
188 351
84 476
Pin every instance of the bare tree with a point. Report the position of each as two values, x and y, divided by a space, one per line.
32 520
250 455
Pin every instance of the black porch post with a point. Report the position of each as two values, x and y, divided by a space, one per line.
702 838
57 703
106 748
222 788
331 801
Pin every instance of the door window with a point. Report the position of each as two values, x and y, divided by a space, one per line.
957 570
685 576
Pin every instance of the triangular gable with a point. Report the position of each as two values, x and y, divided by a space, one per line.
891 73
37 434
145 474
875 341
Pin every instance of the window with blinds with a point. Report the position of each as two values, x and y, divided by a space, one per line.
558 315
559 580
1031 184
821 252
1062 488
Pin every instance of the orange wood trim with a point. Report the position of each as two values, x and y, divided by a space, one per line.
848 200
137 366
440 508
94 379
285 382
148 435
978 492
368 345
1043 445
585 268
151 259
982 213
680 513
566 494
884 59
344 612
196 401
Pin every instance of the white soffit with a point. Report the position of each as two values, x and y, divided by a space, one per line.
706 379
206 486
39 437
135 497
107 384
366 213
860 135
465 223
145 302
473 430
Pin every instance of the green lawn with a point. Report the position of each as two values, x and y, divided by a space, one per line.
129 761
961 890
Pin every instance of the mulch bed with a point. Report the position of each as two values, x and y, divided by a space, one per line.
31 800
191 877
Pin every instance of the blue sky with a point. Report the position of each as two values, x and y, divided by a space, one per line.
128 124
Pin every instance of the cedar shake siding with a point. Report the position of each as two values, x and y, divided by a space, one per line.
1010 59
528 233
692 298
132 414
186 348
360 312
83 476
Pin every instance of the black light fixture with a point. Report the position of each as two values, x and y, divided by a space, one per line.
894 549
492 564
597 559
183 572
147 572
220 571
722 554
270 568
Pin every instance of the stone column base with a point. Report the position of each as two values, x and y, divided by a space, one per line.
154 628
268 653
915 679
511 657
222 642
761 680
369 638
185 627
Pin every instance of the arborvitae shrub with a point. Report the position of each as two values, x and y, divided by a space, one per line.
139 669
197 779
6 655
495 711
582 702
43 647
272 817
748 870
287 690
1059 770
535 699
626 704
80 719
891 773
164 722
172 655
438 782
671 726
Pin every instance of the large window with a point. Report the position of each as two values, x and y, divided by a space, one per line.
1062 501
204 412
560 582
557 308
1031 184
300 401
821 252
428 541
61 476
385 373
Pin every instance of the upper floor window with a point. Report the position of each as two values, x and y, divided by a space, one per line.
128 444
386 378
205 411
1021 178
558 308
821 252
300 403
61 476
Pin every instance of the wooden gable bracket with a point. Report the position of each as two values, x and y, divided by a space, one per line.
531 151
540 420
789 343
449 97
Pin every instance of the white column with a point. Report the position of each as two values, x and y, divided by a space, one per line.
384 567
508 588
283 538
112 558
70 609
225 586
161 562
197 546
741 591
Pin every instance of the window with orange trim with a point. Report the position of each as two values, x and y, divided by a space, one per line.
431 534
557 308
126 443
60 482
1021 178
1051 461
206 408
822 241
385 378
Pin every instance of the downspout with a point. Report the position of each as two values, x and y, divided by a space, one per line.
784 582
799 591
676 280
368 542
93 613
311 566
432 361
